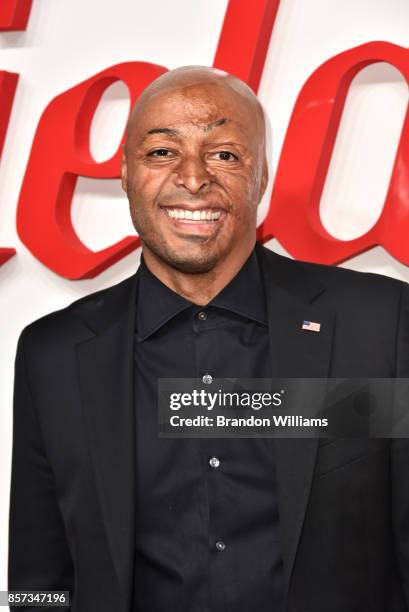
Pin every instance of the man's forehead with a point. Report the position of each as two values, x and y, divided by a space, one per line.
203 100
180 108
195 105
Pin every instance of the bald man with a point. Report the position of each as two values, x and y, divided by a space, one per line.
125 520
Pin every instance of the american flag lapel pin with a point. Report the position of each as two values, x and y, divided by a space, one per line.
313 326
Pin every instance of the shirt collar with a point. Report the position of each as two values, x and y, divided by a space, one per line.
244 294
157 303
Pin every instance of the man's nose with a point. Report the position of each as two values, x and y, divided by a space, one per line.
192 174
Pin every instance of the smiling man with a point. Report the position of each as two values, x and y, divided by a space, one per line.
132 522
195 170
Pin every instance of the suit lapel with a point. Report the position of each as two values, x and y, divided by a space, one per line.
290 290
105 365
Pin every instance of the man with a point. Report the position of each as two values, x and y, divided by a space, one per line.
127 521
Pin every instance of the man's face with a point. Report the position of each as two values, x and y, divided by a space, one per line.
193 172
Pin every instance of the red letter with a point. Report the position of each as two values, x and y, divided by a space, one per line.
14 14
60 153
8 84
294 216
245 37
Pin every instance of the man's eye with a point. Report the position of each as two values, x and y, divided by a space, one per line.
159 153
226 156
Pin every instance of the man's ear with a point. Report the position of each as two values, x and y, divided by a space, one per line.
124 170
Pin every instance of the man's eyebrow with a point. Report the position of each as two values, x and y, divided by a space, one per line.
210 126
167 131
172 132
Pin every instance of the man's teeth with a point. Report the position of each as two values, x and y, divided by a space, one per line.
199 216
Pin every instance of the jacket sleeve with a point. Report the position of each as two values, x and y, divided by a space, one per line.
39 558
400 452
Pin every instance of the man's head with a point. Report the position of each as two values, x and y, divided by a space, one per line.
195 147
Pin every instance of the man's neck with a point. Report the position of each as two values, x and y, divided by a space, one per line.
197 288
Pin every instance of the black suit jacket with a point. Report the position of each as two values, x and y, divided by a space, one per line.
344 504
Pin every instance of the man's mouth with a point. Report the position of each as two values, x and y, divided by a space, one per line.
202 216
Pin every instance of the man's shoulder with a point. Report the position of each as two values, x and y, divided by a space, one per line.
333 277
366 297
64 322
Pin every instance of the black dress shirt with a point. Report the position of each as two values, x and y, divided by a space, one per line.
207 520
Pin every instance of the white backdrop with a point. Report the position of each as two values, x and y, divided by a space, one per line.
67 41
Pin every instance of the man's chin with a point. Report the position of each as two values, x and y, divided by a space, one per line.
192 265
191 259
199 262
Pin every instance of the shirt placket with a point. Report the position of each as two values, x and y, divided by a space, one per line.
207 366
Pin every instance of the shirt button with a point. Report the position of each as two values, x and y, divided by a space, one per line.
214 462
202 315
220 545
